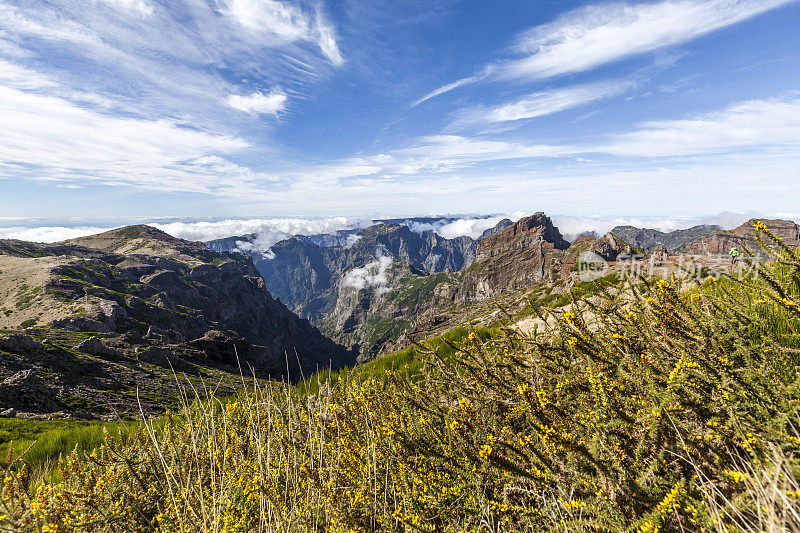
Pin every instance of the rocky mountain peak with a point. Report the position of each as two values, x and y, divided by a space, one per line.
530 231
720 242
786 230
500 226
145 241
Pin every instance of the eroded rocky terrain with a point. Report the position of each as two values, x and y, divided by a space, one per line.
87 322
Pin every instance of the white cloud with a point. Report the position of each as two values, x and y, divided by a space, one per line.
49 233
285 21
588 37
774 124
67 143
270 103
147 58
373 275
17 77
430 154
445 88
542 103
466 226
352 240
269 230
140 7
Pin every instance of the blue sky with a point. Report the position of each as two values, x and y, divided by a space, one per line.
236 108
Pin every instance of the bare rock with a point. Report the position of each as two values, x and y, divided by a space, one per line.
156 355
220 347
26 390
17 342
8 413
535 231
64 289
133 337
610 247
744 236
135 302
164 335
107 312
168 281
94 346
80 324
203 272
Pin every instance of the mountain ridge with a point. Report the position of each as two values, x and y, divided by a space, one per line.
150 299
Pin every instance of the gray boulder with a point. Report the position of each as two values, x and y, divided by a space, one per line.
80 324
108 312
94 346
156 355
17 342
26 390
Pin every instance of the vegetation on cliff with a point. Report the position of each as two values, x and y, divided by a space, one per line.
670 406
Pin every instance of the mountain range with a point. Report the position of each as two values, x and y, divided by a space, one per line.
101 324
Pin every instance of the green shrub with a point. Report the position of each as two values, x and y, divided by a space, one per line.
28 323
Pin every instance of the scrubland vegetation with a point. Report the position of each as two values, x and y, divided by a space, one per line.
669 406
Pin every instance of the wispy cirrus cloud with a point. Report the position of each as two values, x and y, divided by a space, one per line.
141 7
67 142
771 125
167 57
586 38
130 92
542 103
285 21
446 88
270 103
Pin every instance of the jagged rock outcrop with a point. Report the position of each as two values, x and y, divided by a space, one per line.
519 256
610 247
18 342
721 242
94 346
157 355
533 232
500 226
25 389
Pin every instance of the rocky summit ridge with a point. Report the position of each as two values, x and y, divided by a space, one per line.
744 237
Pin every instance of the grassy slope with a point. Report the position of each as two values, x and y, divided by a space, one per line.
44 441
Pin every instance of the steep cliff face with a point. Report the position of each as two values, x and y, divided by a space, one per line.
533 232
519 256
303 274
377 303
721 242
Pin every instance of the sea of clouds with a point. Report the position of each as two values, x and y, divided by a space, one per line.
271 230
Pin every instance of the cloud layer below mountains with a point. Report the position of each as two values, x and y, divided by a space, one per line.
272 230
